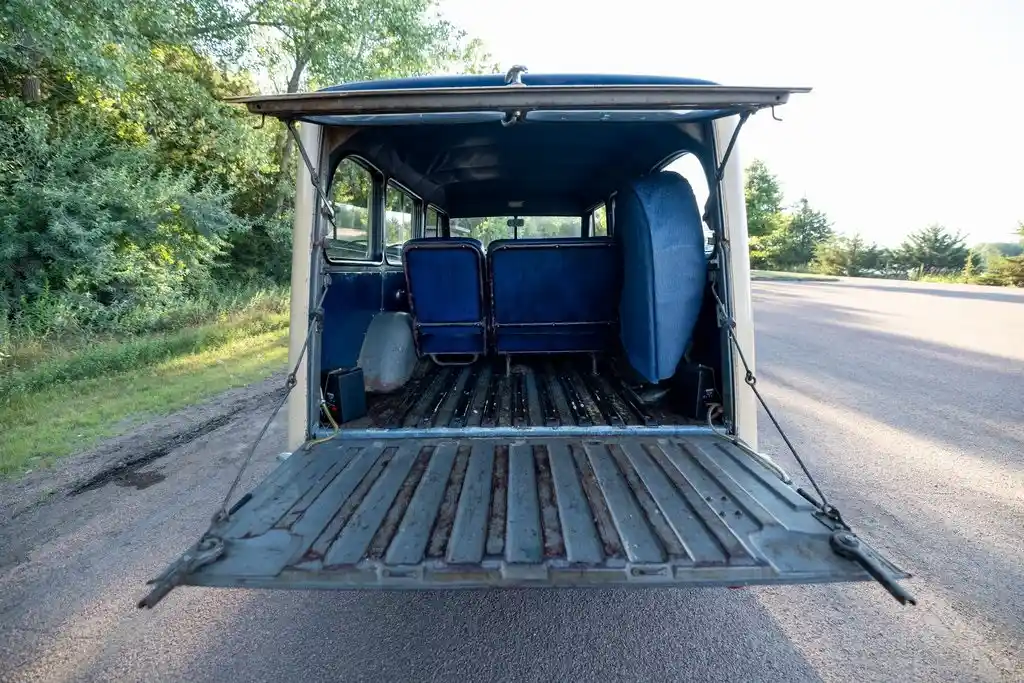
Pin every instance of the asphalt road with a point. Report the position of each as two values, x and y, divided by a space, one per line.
907 400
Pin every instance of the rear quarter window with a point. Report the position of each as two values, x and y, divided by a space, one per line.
689 166
351 197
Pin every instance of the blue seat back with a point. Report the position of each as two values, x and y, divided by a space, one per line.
658 226
554 295
445 280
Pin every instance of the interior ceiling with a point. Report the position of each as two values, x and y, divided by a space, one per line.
476 169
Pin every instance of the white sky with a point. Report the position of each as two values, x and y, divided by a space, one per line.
914 117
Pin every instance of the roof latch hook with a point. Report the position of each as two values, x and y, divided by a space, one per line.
263 121
774 116
515 75
512 118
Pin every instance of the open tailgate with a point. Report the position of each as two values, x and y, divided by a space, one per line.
486 512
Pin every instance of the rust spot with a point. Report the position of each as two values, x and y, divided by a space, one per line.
654 517
592 490
499 502
338 522
554 544
387 529
446 515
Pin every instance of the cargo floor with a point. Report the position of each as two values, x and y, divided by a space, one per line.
421 513
537 392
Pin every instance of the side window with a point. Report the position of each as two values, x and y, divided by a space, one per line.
398 210
351 196
433 226
599 222
690 168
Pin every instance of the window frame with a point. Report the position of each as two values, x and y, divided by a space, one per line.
374 255
438 226
416 210
608 205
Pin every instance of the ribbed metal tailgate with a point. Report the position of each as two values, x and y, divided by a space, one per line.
429 513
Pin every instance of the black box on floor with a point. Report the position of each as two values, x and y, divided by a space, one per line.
345 394
693 388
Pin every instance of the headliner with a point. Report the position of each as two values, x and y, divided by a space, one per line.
554 168
556 163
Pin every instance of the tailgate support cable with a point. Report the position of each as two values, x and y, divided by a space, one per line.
316 316
844 541
210 546
829 510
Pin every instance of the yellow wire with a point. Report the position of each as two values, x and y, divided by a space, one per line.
330 418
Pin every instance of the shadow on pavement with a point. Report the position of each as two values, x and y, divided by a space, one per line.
562 635
974 292
960 397
950 506
920 528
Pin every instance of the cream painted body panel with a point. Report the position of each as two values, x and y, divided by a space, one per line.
737 256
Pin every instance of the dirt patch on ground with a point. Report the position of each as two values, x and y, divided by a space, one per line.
118 460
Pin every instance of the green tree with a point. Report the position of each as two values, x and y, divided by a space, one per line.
763 199
766 222
805 230
971 265
315 43
933 250
101 221
990 252
1006 270
125 181
847 255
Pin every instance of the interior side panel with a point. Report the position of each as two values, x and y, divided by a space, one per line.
353 298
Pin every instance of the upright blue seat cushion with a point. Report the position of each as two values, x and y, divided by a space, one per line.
446 294
658 227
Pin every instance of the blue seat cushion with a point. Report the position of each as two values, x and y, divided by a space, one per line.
553 294
445 279
442 340
658 226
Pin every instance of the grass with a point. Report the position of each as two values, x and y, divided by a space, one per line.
40 426
780 275
62 365
58 397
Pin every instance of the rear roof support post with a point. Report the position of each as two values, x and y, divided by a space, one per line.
733 281
304 223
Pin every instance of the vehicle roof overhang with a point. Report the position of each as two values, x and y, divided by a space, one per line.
492 145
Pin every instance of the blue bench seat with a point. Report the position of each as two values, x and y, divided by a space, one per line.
554 295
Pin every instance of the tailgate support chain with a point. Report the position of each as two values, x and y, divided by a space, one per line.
319 240
843 541
210 546
712 200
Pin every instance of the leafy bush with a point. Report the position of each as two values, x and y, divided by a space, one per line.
99 222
